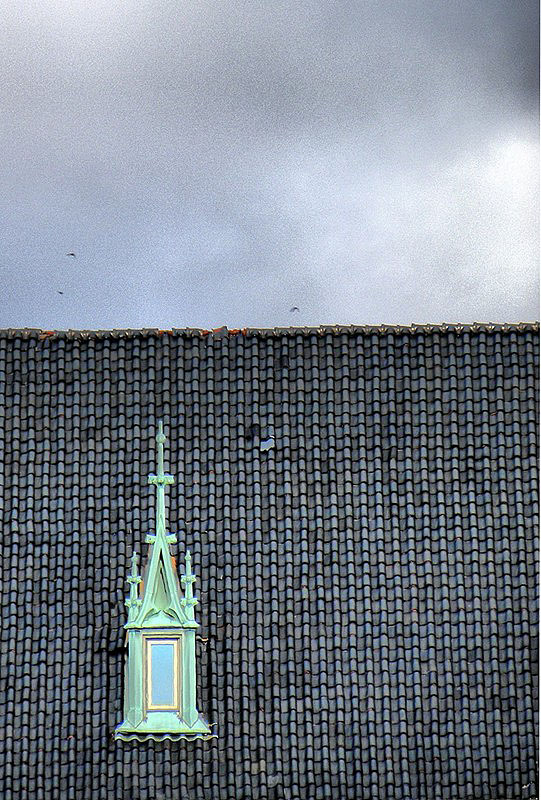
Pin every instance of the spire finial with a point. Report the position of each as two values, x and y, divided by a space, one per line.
160 439
188 601
133 601
160 480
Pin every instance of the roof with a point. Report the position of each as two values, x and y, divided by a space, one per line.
223 330
361 509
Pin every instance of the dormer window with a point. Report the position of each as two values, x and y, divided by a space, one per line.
162 660
159 688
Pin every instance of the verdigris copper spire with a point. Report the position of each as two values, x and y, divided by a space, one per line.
161 604
160 685
161 479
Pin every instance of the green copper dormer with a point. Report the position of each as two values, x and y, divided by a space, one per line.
160 675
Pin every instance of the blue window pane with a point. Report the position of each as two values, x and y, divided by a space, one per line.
162 666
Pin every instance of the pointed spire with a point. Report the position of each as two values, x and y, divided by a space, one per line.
188 601
161 599
161 480
133 602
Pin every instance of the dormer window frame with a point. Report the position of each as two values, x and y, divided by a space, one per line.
162 637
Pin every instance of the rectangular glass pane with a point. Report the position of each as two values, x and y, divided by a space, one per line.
162 661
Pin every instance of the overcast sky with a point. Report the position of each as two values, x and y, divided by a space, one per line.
217 162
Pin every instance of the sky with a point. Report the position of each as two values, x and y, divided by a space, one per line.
220 162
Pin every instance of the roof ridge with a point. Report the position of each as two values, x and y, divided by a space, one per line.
224 331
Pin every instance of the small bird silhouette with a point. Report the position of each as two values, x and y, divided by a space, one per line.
60 292
72 255
295 308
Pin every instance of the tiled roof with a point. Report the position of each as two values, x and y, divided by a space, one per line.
360 504
321 330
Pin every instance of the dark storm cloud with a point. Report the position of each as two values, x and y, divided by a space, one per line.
220 162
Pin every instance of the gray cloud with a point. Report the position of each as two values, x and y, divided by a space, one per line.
218 162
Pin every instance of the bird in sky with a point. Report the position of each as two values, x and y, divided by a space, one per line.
72 255
295 308
60 292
